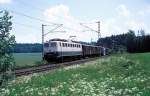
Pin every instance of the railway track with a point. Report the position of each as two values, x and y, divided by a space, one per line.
46 67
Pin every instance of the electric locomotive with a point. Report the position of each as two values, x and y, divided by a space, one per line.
57 49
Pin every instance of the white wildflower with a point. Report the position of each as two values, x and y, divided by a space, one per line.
39 93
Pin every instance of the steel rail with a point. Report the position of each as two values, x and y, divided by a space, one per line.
47 67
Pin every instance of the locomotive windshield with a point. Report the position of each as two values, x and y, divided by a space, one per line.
46 45
53 44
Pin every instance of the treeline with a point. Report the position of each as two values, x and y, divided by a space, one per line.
127 42
117 43
30 47
27 48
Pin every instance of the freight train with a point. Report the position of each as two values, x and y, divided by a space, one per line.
60 49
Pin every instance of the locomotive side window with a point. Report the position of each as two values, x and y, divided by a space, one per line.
63 45
68 44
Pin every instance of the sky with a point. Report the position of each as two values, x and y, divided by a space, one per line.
115 16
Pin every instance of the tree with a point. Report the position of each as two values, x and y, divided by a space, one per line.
142 32
130 40
7 43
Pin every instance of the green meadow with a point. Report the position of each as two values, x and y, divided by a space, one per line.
117 75
27 59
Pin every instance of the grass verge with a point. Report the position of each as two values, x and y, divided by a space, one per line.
121 75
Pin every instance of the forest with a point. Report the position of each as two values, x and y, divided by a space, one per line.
27 48
127 42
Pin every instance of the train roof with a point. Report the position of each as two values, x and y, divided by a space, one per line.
57 39
64 40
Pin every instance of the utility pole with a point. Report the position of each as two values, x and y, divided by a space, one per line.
91 40
99 34
43 40
90 29
97 31
44 34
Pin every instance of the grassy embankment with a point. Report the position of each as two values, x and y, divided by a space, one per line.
121 75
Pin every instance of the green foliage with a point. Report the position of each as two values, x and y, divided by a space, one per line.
127 42
6 45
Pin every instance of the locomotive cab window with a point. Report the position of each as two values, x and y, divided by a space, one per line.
53 44
46 45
